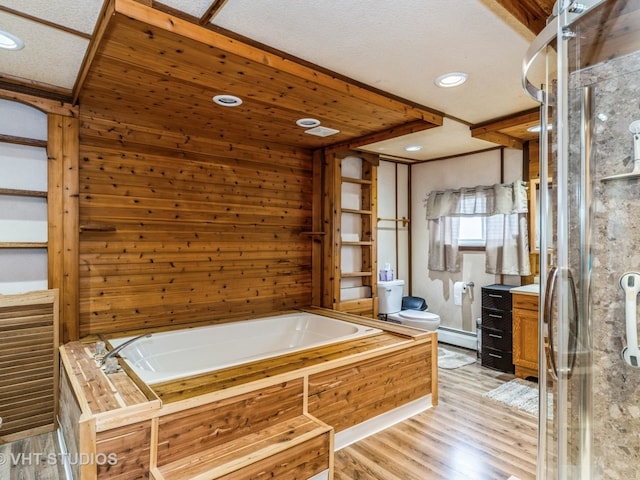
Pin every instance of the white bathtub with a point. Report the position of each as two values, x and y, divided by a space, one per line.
181 353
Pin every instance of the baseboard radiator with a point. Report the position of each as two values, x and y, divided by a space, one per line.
460 338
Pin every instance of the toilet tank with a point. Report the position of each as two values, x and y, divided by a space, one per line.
390 296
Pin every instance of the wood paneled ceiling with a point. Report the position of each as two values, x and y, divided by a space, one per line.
151 68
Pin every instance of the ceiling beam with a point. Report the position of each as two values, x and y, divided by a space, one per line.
212 11
532 14
47 23
492 130
394 132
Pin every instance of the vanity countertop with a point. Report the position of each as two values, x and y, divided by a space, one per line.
531 289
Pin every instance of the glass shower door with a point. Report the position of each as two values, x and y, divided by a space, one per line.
591 99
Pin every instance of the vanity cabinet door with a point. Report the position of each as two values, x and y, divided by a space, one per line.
525 336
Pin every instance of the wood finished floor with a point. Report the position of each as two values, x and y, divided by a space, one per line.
34 458
465 437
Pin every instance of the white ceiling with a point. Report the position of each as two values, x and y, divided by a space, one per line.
398 47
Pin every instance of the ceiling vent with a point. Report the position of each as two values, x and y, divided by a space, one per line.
322 131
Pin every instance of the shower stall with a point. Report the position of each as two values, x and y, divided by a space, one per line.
586 65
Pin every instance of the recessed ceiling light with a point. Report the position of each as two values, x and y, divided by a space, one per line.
227 100
10 42
536 128
307 122
413 148
452 79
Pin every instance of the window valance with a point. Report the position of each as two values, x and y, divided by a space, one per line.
503 199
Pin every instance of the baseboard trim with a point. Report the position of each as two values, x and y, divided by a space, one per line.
379 423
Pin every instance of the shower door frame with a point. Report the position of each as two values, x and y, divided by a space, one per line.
565 436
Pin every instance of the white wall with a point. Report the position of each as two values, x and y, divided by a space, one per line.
393 202
22 219
437 287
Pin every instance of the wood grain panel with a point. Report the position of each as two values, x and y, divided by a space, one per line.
205 427
526 302
299 447
98 392
300 461
347 396
211 237
525 335
28 363
69 415
130 446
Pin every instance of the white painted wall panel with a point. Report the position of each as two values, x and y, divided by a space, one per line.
22 219
19 120
23 167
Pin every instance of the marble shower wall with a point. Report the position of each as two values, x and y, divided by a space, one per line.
615 250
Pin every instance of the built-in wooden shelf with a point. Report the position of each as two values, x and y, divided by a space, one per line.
402 220
22 193
31 142
355 274
353 236
360 181
23 244
312 233
359 212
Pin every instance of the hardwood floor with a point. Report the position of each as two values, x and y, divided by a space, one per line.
465 437
34 458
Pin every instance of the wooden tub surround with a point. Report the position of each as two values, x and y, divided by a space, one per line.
270 418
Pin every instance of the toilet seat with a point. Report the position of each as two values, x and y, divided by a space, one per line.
418 315
417 318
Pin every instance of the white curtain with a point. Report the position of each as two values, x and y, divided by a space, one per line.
507 238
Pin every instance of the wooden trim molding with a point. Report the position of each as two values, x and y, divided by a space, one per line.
63 211
510 131
43 104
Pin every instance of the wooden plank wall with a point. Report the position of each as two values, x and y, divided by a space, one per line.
178 229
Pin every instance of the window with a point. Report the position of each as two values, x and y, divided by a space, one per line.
472 232
493 218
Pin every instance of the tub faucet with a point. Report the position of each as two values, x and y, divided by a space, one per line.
115 351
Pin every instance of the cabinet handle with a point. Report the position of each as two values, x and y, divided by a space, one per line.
493 295
495 316
495 356
493 335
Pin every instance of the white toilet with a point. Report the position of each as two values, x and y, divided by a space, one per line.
390 304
